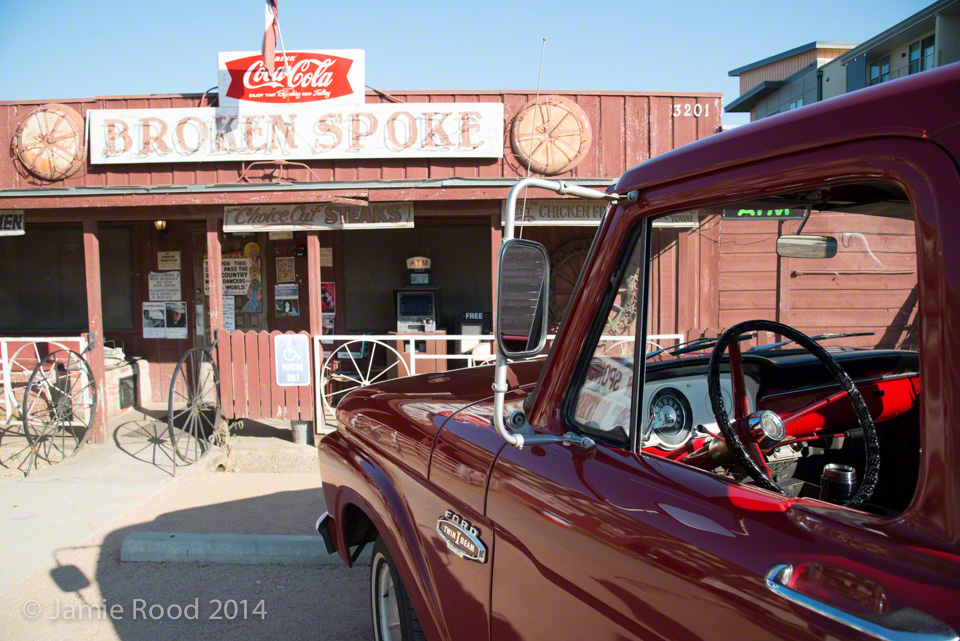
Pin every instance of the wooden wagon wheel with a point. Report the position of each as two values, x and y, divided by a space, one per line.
59 406
362 374
193 406
566 263
553 136
21 364
49 142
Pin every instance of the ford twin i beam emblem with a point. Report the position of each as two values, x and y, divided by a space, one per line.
461 537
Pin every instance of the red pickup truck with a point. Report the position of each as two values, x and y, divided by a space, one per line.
774 480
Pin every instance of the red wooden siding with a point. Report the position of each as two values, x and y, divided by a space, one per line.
248 387
622 138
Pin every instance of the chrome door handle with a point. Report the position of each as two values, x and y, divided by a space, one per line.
903 625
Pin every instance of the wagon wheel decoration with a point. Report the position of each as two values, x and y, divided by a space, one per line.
59 406
19 366
49 142
348 369
553 136
193 405
566 264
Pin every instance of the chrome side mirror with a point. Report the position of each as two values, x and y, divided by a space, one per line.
806 247
522 285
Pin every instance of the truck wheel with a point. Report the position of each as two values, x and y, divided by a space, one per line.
393 615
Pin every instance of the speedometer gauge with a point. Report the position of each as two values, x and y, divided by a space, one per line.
670 420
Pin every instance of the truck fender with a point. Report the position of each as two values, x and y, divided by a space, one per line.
379 500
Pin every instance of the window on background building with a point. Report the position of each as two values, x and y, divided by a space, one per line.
45 283
921 55
796 104
880 71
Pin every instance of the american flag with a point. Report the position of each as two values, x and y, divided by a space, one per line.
271 27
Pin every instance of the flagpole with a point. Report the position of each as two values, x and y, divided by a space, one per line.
286 63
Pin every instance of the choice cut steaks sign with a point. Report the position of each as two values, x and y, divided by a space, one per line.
247 218
314 131
302 77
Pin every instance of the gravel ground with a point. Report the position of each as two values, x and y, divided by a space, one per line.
67 599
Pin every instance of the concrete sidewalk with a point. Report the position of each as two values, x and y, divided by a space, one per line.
62 505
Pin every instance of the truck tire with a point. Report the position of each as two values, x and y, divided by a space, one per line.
393 615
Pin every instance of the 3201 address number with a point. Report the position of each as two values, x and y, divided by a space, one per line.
688 110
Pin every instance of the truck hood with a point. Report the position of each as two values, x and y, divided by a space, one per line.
406 414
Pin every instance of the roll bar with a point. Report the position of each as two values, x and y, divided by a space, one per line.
500 386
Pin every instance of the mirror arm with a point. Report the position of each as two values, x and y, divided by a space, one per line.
500 386
803 221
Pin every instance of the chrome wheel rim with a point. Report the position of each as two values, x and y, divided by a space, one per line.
388 611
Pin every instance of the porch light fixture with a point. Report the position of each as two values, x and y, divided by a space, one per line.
161 226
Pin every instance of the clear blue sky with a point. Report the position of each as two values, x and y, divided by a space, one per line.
57 49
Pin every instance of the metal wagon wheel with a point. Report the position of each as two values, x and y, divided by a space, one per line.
59 406
363 372
193 407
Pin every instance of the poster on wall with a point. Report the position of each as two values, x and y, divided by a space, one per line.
176 320
327 329
199 329
326 256
154 320
286 270
168 260
164 286
236 276
287 301
229 313
328 298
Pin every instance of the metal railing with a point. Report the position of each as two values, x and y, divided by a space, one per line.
328 344
916 66
948 54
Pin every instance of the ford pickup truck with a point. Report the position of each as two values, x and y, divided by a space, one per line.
792 473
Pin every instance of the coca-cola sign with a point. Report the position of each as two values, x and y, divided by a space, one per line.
301 77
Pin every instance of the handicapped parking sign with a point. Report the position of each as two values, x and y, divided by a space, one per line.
292 359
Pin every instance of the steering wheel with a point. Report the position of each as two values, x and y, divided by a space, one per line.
747 441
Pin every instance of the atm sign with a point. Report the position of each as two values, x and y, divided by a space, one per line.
763 214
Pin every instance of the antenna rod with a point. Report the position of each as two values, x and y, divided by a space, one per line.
533 131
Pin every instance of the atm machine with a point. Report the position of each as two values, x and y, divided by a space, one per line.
417 304
418 309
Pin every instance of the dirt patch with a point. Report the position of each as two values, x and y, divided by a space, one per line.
258 455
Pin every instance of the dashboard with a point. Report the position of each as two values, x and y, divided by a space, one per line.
678 409
676 403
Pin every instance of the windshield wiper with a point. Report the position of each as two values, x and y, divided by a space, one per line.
697 344
818 337
702 339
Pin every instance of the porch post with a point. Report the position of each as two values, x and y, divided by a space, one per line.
313 283
496 236
94 357
215 269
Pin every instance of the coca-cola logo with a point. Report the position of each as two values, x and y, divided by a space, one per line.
300 77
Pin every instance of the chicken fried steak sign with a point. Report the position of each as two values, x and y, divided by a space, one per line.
317 131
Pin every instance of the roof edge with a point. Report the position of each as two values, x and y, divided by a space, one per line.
924 14
810 46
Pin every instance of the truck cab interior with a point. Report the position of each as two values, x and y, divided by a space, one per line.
752 399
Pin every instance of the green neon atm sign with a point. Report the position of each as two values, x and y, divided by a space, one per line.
763 214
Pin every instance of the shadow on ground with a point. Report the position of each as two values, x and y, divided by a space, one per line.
161 601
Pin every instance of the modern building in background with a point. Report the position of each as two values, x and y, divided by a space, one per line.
820 70
785 81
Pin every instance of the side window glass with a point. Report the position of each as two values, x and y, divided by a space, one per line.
603 402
